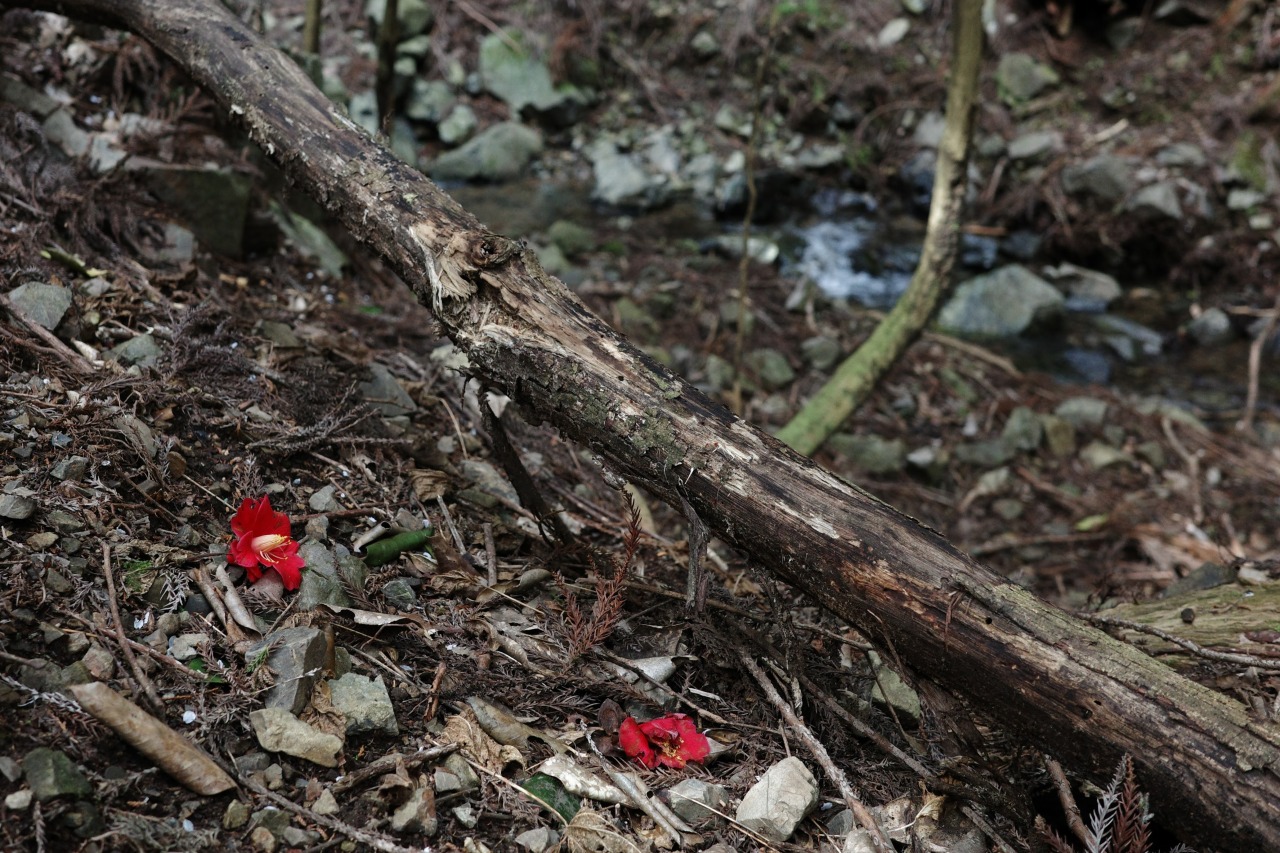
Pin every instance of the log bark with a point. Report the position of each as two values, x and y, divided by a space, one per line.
1213 771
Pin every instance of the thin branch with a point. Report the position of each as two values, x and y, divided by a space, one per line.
834 773
144 684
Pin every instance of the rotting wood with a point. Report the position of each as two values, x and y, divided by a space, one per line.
1213 770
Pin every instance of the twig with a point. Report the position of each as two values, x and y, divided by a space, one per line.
388 763
1193 469
638 792
1199 651
834 773
985 825
144 683
453 530
433 695
490 553
684 700
1255 367
1074 821
74 360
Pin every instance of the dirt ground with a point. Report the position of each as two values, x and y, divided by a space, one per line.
268 375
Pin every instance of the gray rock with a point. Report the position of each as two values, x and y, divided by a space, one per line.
310 240
1036 144
916 7
871 453
399 594
1127 338
571 238
1082 412
499 153
320 582
893 32
43 304
1003 303
1124 32
1180 13
1106 177
484 477
694 799
986 454
459 126
1241 199
1019 77
279 731
1181 154
704 45
365 703
928 132
296 657
622 180
17 506
1098 455
385 393
1156 200
141 350
821 351
513 74
213 203
538 840
280 334
776 804
772 368
1211 328
891 690
324 500
186 646
719 372
1059 435
1086 290
51 774
429 101
236 816
1023 430
416 814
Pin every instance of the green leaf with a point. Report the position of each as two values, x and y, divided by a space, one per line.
198 665
1092 522
548 791
385 550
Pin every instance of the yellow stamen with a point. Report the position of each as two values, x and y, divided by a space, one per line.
265 547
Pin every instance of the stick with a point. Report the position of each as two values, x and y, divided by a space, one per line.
834 773
144 684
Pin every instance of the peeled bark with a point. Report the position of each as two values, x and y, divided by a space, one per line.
1212 770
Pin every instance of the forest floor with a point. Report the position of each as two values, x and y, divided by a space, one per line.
182 381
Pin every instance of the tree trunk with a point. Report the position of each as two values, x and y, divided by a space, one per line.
1212 770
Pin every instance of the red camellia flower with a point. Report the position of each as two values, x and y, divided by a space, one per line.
670 741
262 539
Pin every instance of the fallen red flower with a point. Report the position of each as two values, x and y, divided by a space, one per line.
670 741
262 539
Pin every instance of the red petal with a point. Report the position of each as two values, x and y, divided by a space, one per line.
290 568
634 743
240 553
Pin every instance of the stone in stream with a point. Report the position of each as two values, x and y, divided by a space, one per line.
1001 304
499 153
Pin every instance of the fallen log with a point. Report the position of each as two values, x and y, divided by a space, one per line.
1213 770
